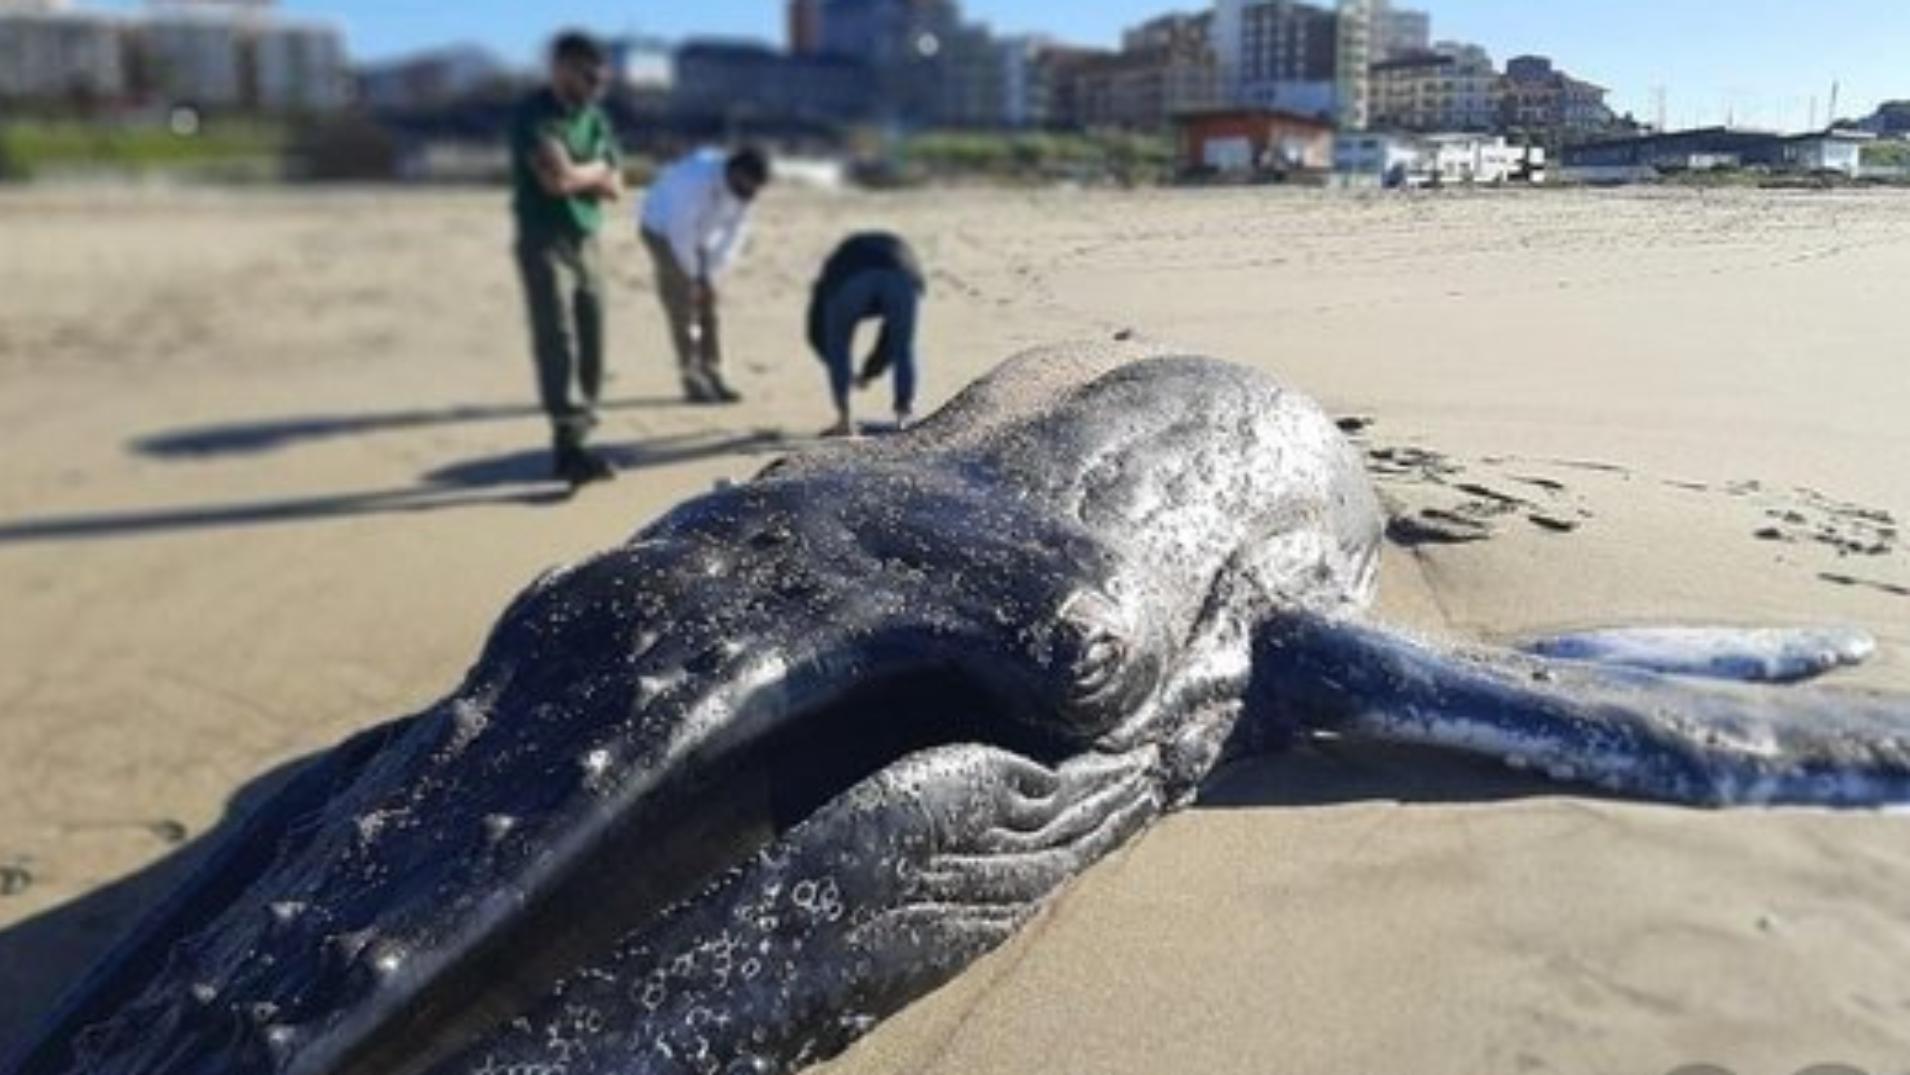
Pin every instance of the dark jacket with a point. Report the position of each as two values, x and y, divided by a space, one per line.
863 252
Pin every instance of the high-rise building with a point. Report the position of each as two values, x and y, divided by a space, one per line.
805 27
1450 87
1400 32
1288 58
1353 60
1166 67
1027 96
967 67
1539 101
224 54
1277 54
928 65
733 81
50 53
192 56
298 67
885 31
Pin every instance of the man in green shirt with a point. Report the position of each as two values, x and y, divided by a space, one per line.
565 165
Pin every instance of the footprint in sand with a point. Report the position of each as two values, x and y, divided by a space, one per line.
1867 584
1435 499
1806 516
15 877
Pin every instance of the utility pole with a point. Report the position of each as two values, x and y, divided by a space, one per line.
1834 87
1661 116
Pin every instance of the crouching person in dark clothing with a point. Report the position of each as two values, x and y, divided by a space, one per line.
871 276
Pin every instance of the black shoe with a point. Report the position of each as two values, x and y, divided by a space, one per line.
723 392
578 466
697 389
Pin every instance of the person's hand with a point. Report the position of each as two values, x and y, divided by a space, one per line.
611 189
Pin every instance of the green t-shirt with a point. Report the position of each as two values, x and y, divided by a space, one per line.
585 134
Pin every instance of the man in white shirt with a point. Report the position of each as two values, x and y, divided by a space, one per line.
693 221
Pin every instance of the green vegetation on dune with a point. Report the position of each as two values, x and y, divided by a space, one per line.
1039 155
30 149
1888 154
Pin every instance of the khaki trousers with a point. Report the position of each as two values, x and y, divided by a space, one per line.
693 328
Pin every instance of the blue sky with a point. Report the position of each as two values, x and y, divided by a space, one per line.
1756 61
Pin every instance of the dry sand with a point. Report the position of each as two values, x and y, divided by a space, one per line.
269 475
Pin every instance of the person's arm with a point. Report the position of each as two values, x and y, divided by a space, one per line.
879 359
684 229
613 160
725 240
562 177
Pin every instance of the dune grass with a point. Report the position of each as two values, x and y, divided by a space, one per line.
42 147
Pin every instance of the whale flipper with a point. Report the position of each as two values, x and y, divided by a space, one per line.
853 914
1671 738
1745 655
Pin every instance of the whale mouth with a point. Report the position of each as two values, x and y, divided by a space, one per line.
695 826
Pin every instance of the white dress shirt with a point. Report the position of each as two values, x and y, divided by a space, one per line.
690 204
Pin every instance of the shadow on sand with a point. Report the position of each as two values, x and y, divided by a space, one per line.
43 957
516 478
247 438
1327 772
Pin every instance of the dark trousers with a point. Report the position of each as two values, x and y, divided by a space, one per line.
563 293
887 295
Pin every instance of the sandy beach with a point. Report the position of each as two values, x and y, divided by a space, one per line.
271 471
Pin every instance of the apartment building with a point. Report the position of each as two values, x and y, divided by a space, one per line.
1451 87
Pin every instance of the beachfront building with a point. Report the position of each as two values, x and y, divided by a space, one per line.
741 81
52 53
1286 58
1541 102
1356 47
805 27
1374 158
230 54
1403 159
900 42
193 56
1400 32
1836 150
1465 159
927 65
1166 67
641 64
1056 83
430 79
1252 141
1028 90
1311 58
1452 87
968 70
238 54
298 67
